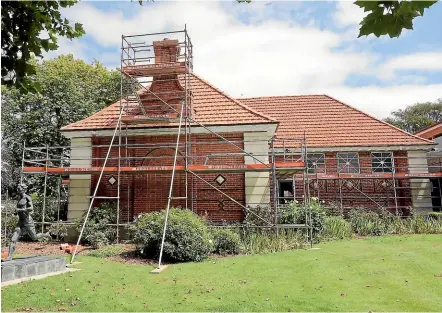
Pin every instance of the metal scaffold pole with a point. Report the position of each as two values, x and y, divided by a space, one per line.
169 199
44 191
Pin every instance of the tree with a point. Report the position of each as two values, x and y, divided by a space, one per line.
70 90
390 17
28 28
418 116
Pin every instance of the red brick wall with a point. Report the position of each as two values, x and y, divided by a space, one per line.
143 192
380 190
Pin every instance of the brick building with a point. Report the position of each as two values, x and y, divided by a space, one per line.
351 158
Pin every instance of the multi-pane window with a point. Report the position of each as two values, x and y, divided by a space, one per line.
382 162
348 162
316 162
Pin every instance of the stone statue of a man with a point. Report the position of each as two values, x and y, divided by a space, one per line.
25 223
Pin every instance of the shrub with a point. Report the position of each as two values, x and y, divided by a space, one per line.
296 213
435 215
336 227
58 230
365 222
97 233
260 215
51 207
106 252
8 221
226 241
187 236
261 241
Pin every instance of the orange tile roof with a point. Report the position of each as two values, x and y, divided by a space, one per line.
328 122
211 107
431 131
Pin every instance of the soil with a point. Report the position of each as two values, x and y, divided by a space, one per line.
130 256
40 248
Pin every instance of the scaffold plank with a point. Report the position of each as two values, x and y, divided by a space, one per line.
374 175
155 69
286 166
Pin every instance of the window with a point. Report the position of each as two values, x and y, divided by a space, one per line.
382 162
316 163
348 162
285 191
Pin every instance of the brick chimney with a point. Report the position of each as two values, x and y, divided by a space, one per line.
165 86
166 51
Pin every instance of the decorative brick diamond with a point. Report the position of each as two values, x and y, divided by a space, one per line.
112 180
220 179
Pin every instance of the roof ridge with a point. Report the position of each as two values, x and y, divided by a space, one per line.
378 120
235 100
286 96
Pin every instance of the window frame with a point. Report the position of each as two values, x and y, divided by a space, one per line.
340 168
313 170
392 168
281 198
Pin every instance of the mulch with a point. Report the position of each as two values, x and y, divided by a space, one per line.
127 256
40 248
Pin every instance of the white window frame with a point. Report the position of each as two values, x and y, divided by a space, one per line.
380 161
347 161
311 168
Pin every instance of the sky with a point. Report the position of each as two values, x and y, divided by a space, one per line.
277 48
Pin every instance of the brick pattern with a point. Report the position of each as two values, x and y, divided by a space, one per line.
380 190
166 51
149 192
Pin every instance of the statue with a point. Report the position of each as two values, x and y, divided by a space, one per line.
25 223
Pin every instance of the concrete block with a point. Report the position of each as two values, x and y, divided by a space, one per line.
28 267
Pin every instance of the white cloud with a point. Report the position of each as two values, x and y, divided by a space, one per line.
267 56
347 13
426 61
66 46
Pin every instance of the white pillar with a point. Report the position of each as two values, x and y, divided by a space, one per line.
257 183
80 185
421 187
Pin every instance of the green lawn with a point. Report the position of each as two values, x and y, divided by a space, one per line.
376 274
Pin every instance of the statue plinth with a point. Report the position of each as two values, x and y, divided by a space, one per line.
31 266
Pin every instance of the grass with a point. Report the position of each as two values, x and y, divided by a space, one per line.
391 273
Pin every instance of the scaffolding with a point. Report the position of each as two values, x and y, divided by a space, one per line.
149 62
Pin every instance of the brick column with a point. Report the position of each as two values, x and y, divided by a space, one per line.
80 185
257 183
421 187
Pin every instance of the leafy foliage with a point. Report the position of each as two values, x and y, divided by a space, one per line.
226 241
51 207
28 29
259 241
70 91
58 230
260 215
335 228
365 222
297 213
187 237
390 17
97 233
8 220
418 116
